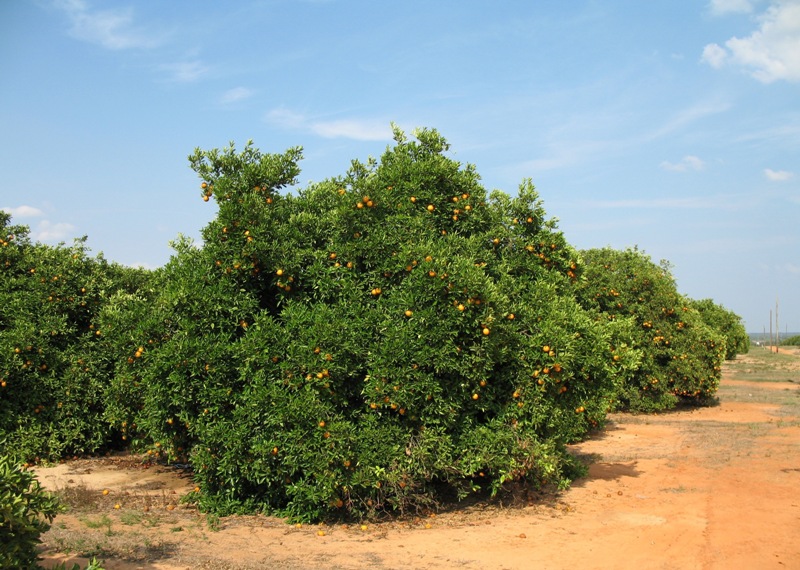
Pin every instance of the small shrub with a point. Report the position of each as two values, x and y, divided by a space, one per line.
26 511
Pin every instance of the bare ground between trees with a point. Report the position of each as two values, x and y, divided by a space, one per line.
709 488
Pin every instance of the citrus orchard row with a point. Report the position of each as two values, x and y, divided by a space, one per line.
379 341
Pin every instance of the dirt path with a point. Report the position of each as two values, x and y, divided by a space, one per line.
712 488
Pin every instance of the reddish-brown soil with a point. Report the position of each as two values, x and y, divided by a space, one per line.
708 488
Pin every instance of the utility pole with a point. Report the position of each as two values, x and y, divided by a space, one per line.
777 328
770 330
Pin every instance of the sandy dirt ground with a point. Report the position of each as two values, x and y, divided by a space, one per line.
708 488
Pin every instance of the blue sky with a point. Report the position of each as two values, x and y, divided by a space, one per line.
673 125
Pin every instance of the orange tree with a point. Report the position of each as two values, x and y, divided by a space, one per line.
680 355
373 342
727 323
53 367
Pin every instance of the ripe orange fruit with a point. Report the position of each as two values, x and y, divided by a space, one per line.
205 198
546 348
486 331
408 312
204 185
106 491
413 199
431 207
475 396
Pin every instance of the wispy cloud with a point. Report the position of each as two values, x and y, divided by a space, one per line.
113 29
141 265
185 71
722 7
48 231
771 52
686 163
23 211
686 117
714 55
357 129
563 153
778 175
691 203
44 230
354 129
791 268
235 95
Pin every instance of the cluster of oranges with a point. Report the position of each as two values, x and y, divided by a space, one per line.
209 190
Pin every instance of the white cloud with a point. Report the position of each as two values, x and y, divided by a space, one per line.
49 231
112 29
777 175
354 129
358 129
686 163
714 55
770 53
185 71
24 212
792 268
236 94
721 7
